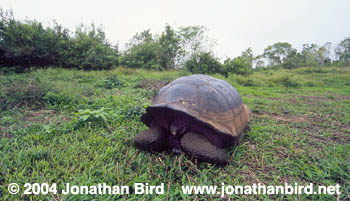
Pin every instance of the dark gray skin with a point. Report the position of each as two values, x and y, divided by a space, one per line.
178 138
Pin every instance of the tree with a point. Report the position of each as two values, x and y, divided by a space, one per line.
142 52
169 48
292 60
276 53
242 65
140 38
327 53
91 50
204 63
321 56
343 51
313 55
193 41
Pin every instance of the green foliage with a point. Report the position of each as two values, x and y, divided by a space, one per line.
90 50
147 52
277 52
283 55
242 65
112 82
59 99
309 55
37 154
142 54
343 51
204 63
170 49
248 82
288 81
133 112
193 41
308 126
92 117
292 60
20 91
29 44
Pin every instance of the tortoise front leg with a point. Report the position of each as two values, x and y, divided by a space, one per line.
198 146
152 139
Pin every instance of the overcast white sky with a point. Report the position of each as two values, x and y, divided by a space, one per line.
234 24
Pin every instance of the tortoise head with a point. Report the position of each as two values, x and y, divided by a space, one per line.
178 128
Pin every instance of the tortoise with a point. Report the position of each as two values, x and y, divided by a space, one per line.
198 115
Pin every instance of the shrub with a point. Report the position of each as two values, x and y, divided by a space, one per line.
28 44
238 65
204 63
112 82
90 50
142 56
287 81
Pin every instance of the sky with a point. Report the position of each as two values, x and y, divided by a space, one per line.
235 25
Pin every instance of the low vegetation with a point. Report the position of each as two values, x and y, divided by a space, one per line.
70 126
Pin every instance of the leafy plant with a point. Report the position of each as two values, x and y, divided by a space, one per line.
132 112
93 117
112 82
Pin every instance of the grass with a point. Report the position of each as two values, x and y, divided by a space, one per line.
68 126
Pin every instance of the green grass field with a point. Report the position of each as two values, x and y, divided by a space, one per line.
68 126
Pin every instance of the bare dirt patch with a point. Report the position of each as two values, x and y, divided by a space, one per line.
316 127
337 96
44 117
279 117
38 116
332 96
332 139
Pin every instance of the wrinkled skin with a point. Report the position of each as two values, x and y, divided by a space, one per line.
179 138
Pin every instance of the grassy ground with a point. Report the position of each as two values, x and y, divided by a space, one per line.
67 126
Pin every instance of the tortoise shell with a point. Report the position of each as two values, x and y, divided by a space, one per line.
203 101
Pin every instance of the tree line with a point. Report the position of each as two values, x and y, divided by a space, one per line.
284 55
28 44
